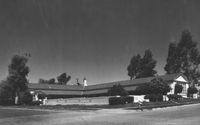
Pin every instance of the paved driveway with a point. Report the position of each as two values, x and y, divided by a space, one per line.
182 115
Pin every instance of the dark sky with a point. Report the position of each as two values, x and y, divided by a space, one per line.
91 38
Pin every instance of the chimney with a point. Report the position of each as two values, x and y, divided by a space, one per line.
84 82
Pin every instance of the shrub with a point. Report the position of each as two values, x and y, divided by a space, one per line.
6 96
6 102
192 90
41 95
154 97
174 97
178 88
36 103
120 100
156 86
27 98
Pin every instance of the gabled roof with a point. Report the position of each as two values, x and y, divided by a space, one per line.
32 86
54 87
168 77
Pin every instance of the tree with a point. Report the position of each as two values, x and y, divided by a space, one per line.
156 86
50 81
16 81
156 89
184 57
117 90
42 81
178 89
142 67
147 65
27 98
134 67
159 86
173 63
192 90
63 79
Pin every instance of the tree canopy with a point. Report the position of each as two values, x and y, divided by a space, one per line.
156 86
192 90
50 81
184 57
16 81
63 79
140 67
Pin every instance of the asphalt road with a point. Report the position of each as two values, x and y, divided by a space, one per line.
182 115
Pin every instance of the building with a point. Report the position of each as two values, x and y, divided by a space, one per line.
69 91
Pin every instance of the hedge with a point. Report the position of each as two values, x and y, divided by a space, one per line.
120 100
174 97
154 97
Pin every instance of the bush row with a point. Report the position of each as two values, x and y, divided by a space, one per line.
174 97
120 100
154 97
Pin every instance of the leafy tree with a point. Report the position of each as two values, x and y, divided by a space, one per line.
156 89
16 81
142 67
134 67
178 88
156 86
117 90
159 86
192 90
51 81
184 57
63 79
42 81
27 98
173 63
147 65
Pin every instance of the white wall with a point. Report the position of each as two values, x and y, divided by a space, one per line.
78 101
172 85
137 98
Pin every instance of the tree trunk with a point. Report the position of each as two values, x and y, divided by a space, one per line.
16 98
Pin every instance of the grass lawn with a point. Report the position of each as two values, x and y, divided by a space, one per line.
5 112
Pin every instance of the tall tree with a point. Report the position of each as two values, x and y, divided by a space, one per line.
16 81
63 79
51 81
184 57
134 67
173 62
147 65
142 67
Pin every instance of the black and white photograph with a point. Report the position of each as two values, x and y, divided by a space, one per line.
99 62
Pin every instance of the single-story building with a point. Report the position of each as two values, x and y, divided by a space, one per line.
69 91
